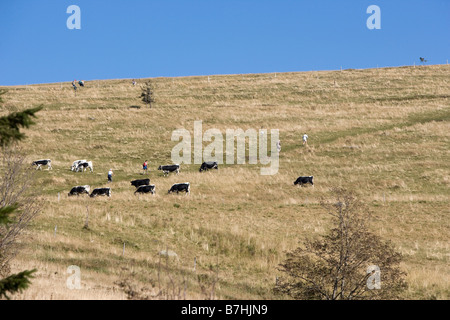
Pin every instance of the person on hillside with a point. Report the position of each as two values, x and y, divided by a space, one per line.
133 83
74 85
110 174
145 166
305 139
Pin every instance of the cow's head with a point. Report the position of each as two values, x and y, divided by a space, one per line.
159 168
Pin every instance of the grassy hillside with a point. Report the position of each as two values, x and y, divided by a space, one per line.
383 133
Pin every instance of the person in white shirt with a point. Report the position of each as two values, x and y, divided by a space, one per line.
110 174
305 139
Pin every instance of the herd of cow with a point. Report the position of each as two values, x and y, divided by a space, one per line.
142 185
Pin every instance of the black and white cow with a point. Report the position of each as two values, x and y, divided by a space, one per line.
177 187
82 166
75 164
146 189
79 190
209 165
39 163
101 192
304 180
140 182
170 168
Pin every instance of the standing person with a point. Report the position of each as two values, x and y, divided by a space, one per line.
110 174
74 85
133 83
145 166
305 139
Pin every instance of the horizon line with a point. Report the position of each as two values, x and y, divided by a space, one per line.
230 74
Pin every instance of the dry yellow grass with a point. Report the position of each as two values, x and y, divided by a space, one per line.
381 132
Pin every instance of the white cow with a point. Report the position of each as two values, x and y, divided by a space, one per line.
82 166
76 163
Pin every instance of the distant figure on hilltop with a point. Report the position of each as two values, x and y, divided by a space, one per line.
133 83
74 85
305 139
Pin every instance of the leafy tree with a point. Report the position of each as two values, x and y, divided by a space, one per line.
14 217
347 263
147 93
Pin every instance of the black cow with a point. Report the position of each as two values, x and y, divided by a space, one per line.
304 180
39 163
209 165
170 168
146 189
101 192
79 190
141 182
177 187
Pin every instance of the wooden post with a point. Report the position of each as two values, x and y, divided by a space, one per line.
86 224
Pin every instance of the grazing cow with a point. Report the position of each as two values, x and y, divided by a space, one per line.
170 168
101 192
141 182
76 163
177 187
39 163
84 165
79 190
209 165
304 180
146 189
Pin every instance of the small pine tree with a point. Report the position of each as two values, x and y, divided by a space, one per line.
147 94
9 125
2 92
9 133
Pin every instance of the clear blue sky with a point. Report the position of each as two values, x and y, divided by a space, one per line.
145 38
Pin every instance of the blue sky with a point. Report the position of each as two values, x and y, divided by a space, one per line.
167 38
